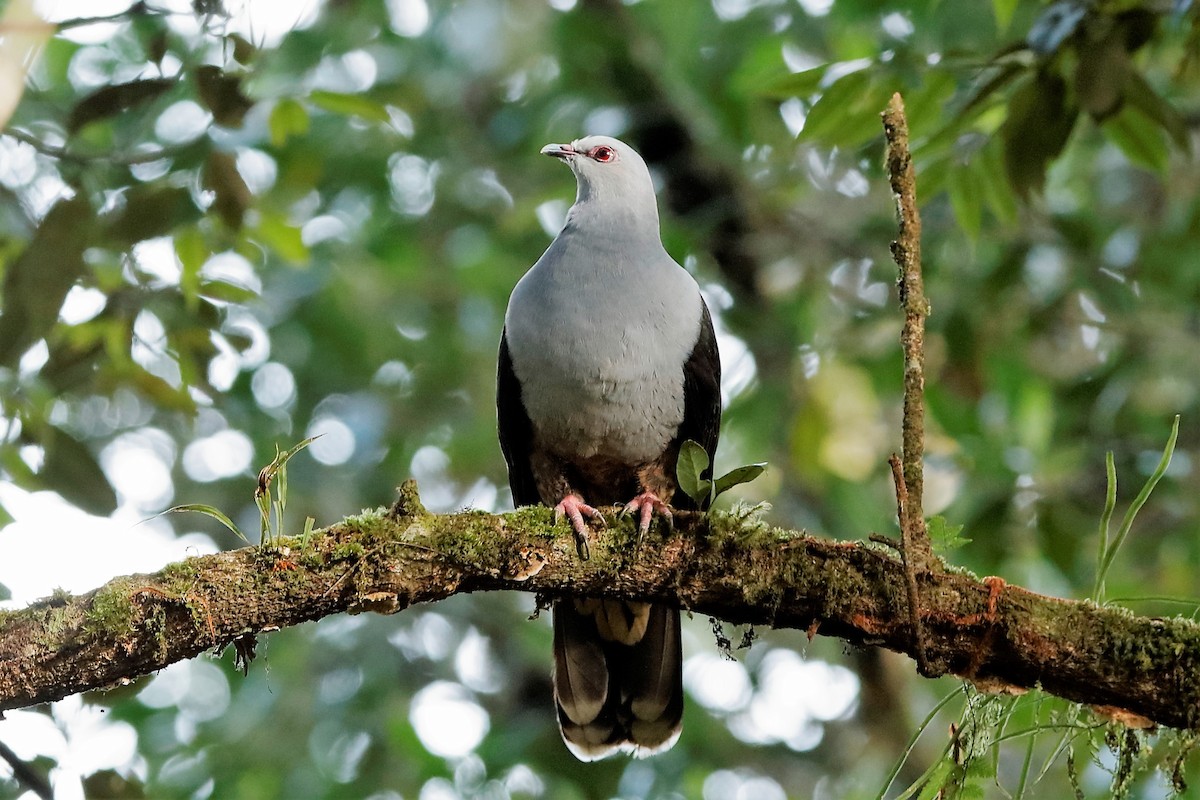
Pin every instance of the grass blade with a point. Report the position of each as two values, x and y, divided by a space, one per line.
1110 504
208 511
1136 506
912 742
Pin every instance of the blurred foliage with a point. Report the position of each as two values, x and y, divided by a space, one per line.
215 242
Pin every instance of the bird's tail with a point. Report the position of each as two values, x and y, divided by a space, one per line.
618 676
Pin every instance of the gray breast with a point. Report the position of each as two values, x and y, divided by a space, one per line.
600 354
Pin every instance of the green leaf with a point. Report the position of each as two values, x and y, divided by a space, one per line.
982 99
693 461
150 211
966 198
1139 137
798 84
350 105
71 470
1040 119
1110 505
1131 514
5 592
743 474
997 191
288 118
925 106
262 498
36 284
244 51
943 536
1003 10
1142 96
1101 77
273 231
109 101
262 493
209 511
192 252
847 113
937 779
164 395
226 292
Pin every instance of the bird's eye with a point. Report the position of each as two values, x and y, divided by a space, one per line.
604 154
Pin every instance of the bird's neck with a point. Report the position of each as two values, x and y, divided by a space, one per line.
615 219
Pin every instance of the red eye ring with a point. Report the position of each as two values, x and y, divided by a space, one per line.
603 154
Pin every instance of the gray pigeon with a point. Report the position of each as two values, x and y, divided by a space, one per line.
608 363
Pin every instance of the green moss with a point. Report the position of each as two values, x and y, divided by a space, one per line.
346 551
113 610
464 537
952 569
744 523
537 521
154 622
369 528
57 622
181 576
311 558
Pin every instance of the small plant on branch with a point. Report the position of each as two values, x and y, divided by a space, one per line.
693 463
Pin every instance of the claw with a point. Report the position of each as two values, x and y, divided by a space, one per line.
574 509
644 505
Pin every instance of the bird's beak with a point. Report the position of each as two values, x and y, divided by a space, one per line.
563 151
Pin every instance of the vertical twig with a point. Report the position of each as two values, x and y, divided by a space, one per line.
26 775
907 471
906 250
903 515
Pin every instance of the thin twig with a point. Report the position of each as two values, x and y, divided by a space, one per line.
63 154
906 251
907 470
135 10
904 516
26 775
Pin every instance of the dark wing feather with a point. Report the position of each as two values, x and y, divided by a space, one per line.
701 399
516 431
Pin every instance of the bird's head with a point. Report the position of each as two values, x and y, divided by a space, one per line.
607 170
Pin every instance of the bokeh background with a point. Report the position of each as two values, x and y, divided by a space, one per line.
224 228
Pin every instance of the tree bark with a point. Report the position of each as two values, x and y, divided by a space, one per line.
728 565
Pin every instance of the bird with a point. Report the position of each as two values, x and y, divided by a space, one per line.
608 363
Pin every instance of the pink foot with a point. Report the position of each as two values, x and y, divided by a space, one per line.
574 509
644 505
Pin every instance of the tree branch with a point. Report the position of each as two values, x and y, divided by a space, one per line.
124 159
727 565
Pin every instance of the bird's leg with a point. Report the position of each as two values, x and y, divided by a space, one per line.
574 509
656 493
644 505
550 473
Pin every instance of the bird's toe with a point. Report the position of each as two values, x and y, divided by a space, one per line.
574 509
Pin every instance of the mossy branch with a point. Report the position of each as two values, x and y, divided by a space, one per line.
729 566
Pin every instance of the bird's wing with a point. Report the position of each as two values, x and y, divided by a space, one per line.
701 399
516 431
